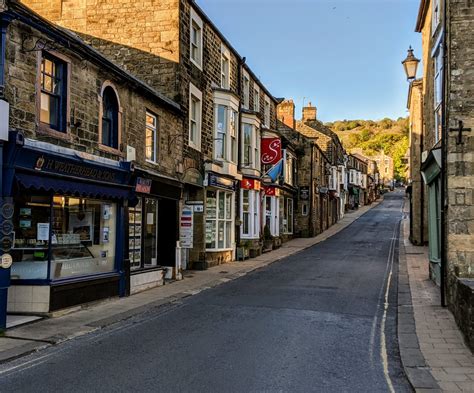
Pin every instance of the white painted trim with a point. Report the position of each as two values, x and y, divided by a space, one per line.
197 19
194 91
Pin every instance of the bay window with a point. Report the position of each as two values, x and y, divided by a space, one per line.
251 146
225 146
250 202
219 222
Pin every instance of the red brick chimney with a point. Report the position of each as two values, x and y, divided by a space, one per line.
309 112
286 113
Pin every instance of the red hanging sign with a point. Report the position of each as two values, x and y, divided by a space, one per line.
271 150
272 191
250 184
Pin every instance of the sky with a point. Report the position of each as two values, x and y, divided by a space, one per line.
342 55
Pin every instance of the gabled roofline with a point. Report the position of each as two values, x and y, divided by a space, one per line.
74 43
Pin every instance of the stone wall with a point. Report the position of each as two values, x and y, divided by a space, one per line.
86 81
460 157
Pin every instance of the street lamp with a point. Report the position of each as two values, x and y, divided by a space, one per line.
410 64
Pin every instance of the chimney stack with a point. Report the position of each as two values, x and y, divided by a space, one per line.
286 113
309 112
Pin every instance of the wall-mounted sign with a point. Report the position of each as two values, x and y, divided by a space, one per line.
214 180
304 193
7 210
271 150
6 261
6 243
250 184
272 191
193 176
186 227
143 185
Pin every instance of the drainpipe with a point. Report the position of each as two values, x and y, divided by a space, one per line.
444 150
239 145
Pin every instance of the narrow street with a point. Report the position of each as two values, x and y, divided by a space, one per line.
313 322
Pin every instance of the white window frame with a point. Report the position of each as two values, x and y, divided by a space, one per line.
225 68
438 89
195 93
226 220
266 113
256 97
253 214
231 128
153 129
273 214
246 90
254 154
197 21
290 162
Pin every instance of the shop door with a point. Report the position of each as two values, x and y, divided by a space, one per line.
167 231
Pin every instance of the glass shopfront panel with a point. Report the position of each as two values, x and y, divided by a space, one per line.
73 236
219 220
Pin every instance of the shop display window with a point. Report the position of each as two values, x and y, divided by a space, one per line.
250 216
63 237
219 220
143 234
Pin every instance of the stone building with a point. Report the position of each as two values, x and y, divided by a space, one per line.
447 149
177 49
386 169
76 122
370 179
336 193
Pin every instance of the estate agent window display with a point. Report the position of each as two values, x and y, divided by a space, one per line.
63 237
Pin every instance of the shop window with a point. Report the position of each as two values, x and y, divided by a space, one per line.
150 236
135 235
53 98
219 213
282 215
110 118
81 234
151 138
250 200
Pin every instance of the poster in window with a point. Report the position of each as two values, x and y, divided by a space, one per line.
210 232
42 231
81 223
107 211
105 234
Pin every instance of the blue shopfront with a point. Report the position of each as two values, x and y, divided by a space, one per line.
67 239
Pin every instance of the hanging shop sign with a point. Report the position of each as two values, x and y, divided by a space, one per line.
143 185
304 193
214 180
186 227
272 191
271 150
250 184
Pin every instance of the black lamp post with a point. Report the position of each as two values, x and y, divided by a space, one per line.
410 64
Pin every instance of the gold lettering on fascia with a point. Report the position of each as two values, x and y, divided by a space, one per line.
79 170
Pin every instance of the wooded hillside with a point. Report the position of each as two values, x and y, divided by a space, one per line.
371 136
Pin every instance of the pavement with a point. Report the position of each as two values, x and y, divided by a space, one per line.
432 348
80 321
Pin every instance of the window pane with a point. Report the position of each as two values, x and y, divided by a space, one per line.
30 251
246 224
83 237
221 131
228 206
247 144
135 235
221 235
221 205
150 237
150 145
228 235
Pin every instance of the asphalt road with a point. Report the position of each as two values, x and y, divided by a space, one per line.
313 322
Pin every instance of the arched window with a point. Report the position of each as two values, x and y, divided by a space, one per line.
110 118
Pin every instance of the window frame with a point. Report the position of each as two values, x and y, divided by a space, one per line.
155 137
195 93
290 168
195 19
267 112
231 127
103 147
254 147
226 220
225 71
256 97
253 214
435 16
246 90
44 128
438 76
